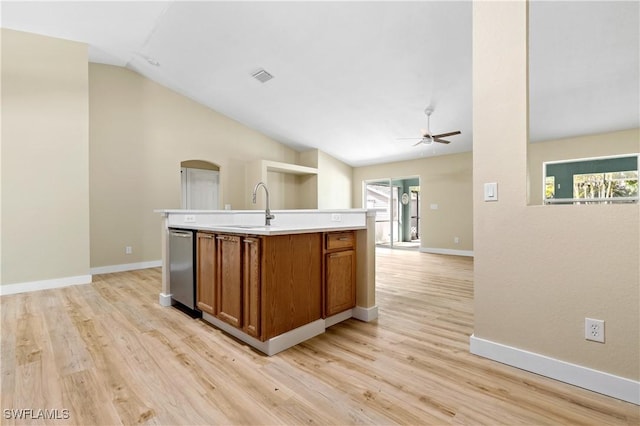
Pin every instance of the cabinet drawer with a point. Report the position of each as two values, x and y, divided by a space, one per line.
339 240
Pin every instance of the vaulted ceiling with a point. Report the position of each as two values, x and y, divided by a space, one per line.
350 78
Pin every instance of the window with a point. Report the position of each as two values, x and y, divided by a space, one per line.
605 185
549 187
604 180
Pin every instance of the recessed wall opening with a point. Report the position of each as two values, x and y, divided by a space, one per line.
200 183
602 180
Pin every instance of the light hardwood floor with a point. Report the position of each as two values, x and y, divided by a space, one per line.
109 354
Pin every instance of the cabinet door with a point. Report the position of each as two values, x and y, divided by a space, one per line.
340 281
229 282
206 272
252 286
291 282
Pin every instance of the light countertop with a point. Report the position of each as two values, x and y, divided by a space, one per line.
266 230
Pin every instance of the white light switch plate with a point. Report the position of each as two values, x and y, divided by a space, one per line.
491 191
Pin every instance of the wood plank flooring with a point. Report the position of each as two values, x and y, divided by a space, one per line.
109 354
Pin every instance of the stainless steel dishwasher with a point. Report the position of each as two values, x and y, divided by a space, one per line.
182 281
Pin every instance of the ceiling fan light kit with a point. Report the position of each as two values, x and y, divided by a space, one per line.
427 137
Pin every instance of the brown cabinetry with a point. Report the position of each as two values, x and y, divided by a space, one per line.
339 272
229 279
291 282
263 285
252 286
205 271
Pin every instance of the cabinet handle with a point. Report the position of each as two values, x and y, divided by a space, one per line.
206 236
343 239
250 241
226 238
176 234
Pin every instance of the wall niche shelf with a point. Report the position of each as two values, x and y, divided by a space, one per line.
278 177
276 166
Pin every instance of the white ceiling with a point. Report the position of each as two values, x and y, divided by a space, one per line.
352 77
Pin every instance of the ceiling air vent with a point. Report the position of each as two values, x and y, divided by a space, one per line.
262 76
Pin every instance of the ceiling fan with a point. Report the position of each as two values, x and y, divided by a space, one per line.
428 137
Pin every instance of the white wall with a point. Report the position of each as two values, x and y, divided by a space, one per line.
45 157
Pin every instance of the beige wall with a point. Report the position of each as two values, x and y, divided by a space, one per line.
331 188
45 186
540 270
109 143
613 143
334 183
283 191
139 134
445 181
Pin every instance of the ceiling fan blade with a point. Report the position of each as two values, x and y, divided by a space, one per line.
444 135
419 142
440 140
400 139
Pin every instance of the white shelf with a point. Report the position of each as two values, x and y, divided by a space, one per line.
275 166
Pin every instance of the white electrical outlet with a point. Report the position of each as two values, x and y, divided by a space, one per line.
456 240
128 250
189 218
594 330
336 217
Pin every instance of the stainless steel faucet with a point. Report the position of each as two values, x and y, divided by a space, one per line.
267 213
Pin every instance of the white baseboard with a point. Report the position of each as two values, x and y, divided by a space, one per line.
275 344
468 253
44 284
76 280
165 299
365 314
125 267
335 319
584 377
295 336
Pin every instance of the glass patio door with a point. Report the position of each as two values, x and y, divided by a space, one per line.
385 198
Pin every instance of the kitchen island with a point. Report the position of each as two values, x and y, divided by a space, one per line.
276 286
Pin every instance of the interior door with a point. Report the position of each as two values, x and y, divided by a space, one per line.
200 189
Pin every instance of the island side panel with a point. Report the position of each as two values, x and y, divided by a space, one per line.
164 297
366 309
291 282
